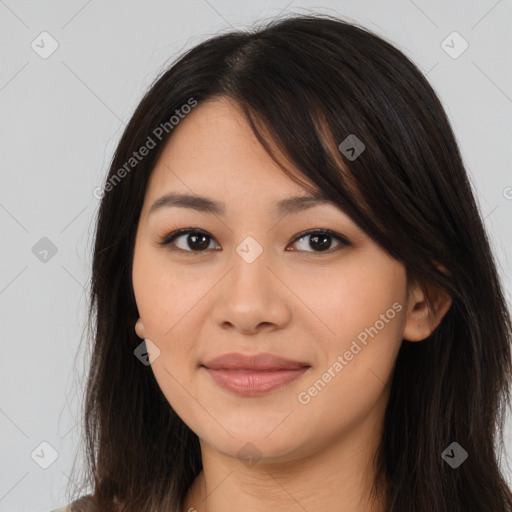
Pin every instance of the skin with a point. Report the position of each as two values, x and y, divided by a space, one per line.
302 303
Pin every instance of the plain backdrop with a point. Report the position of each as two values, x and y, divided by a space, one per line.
62 114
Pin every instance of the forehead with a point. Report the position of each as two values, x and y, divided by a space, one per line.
213 149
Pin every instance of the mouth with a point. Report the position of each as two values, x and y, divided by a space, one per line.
253 375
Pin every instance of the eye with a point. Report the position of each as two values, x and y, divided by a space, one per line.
321 240
197 240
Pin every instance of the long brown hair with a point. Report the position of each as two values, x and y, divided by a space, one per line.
292 77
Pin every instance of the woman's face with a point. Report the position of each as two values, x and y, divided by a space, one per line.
244 284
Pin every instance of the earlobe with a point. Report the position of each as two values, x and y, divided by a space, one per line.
139 329
420 320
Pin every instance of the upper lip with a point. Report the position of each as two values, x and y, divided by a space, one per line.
261 362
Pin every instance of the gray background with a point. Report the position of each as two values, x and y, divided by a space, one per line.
61 118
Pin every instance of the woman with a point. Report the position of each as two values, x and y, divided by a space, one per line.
295 302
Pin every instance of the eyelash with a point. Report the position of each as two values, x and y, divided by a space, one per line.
171 237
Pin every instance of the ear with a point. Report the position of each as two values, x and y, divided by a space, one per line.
140 329
420 321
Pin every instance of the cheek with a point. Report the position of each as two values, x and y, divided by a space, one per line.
165 294
365 301
343 302
167 300
366 310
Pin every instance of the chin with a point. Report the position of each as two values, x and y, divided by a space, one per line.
260 440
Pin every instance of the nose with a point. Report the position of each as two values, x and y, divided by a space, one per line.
252 298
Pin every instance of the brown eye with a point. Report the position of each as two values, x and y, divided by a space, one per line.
320 240
189 240
196 240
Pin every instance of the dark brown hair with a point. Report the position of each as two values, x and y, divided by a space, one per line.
301 82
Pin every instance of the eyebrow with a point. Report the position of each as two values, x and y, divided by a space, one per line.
207 205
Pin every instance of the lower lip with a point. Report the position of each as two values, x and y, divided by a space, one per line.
253 383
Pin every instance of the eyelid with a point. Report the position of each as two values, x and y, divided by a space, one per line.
309 232
185 231
333 234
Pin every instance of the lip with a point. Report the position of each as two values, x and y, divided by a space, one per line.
253 375
257 362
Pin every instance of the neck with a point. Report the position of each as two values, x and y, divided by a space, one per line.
337 477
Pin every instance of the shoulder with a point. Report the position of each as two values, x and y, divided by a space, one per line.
84 504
